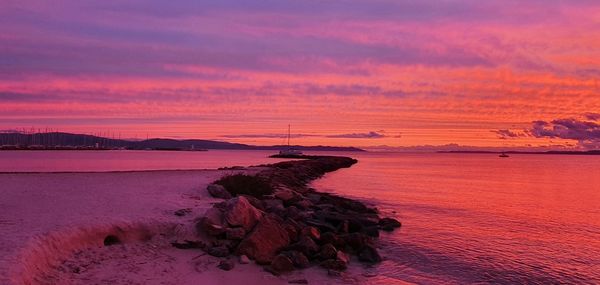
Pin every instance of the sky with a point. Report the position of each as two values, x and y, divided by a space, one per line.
368 73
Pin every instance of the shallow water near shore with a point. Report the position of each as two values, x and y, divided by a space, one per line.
467 218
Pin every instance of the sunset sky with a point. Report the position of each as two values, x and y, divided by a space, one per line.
499 73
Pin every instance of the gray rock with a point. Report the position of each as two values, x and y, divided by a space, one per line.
311 232
389 224
298 258
314 197
284 194
282 263
244 259
368 220
369 254
293 213
328 251
332 238
183 212
273 205
212 223
322 226
341 256
371 231
235 233
356 241
272 271
257 203
306 245
304 204
291 229
218 191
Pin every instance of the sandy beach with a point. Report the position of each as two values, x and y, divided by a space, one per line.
54 225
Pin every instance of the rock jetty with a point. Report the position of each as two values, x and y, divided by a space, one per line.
275 219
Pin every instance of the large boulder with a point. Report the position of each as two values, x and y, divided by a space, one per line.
240 213
257 203
212 223
218 191
265 241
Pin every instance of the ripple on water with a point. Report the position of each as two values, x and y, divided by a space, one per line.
470 219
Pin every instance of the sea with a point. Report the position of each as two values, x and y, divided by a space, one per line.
466 218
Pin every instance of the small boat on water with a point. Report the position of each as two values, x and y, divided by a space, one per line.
503 155
289 151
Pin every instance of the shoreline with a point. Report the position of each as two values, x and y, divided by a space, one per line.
157 224
302 227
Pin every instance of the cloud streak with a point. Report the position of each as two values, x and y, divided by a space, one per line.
369 135
593 116
270 136
510 134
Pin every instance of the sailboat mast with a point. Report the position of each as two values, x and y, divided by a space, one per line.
288 135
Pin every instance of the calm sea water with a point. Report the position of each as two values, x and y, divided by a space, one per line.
467 219
120 160
481 219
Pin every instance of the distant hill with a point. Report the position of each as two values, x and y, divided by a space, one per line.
68 140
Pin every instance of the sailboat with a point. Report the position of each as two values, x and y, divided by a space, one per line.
289 151
503 155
